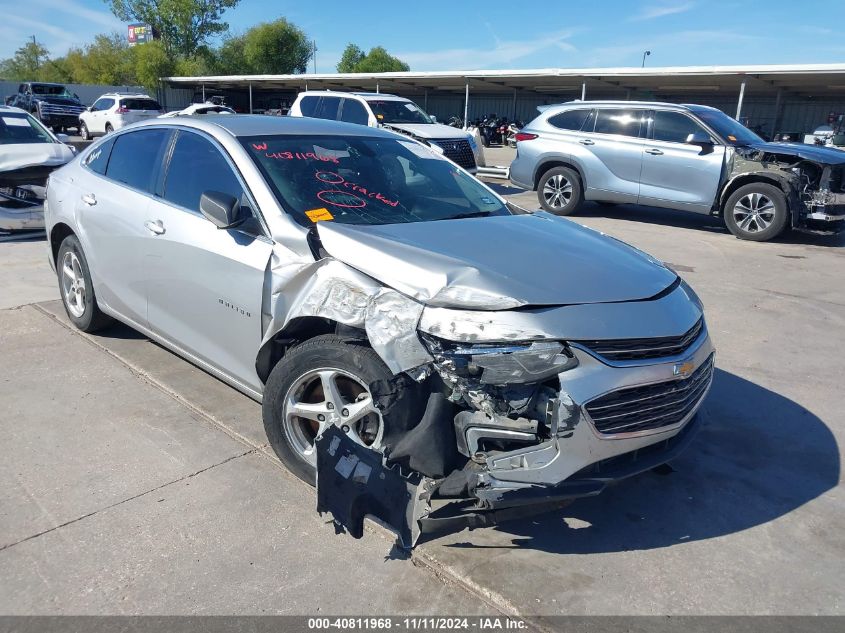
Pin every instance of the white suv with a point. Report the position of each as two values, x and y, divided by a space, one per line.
393 113
113 111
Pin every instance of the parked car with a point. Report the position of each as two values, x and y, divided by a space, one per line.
52 104
113 111
199 109
687 157
394 113
409 337
28 153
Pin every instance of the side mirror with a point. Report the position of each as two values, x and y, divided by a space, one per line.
433 118
90 109
220 209
699 138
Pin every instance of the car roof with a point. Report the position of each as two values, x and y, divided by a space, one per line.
339 93
133 95
636 104
11 110
258 124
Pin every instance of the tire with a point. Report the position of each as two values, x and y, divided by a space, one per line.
84 134
79 301
295 377
559 191
756 212
109 128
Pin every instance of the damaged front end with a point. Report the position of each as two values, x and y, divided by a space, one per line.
812 178
22 194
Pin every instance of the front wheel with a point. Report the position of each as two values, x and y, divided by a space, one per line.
84 133
756 212
319 383
77 289
559 191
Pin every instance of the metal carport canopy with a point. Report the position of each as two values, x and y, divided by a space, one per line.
804 80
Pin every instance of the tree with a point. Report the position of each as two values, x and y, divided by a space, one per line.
105 61
151 62
25 63
230 56
270 48
182 25
378 60
352 56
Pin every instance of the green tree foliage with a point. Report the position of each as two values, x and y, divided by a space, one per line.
105 61
151 62
378 60
26 63
183 26
277 47
352 56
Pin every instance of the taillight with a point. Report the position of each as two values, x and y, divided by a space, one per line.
525 136
123 110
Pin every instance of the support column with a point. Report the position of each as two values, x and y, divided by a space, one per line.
377 90
203 93
425 101
466 106
250 98
584 91
739 103
513 118
776 120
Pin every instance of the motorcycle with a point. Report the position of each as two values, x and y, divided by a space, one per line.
513 128
455 121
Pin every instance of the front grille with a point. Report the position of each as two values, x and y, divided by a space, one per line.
652 406
644 348
63 110
458 150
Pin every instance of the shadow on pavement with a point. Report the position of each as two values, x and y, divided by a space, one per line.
758 457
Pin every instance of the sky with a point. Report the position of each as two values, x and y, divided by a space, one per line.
476 35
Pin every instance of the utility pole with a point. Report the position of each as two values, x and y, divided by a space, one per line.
645 54
314 47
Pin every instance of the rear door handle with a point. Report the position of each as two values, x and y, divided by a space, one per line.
155 227
654 152
90 199
586 141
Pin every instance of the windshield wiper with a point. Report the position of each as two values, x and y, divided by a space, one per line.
471 214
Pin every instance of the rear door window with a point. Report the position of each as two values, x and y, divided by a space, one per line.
197 166
571 119
620 121
328 108
136 157
98 159
674 127
308 105
354 112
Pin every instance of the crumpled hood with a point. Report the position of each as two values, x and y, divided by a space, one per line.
496 263
21 155
817 153
430 130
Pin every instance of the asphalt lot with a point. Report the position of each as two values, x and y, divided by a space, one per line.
134 483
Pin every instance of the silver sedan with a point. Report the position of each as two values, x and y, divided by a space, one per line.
392 313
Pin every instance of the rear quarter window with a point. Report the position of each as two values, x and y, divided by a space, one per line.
570 120
98 159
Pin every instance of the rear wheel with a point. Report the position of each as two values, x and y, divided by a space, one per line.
756 212
319 383
77 289
109 128
559 191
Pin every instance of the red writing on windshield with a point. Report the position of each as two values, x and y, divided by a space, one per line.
301 156
260 147
330 177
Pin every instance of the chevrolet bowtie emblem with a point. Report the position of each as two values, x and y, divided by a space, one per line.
683 370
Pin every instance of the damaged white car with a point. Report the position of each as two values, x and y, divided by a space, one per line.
28 153
423 354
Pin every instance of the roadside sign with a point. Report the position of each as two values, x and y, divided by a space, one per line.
140 34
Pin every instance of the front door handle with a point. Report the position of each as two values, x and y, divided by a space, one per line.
654 152
586 141
90 199
156 227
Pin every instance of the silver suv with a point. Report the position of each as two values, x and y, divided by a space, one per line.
387 310
686 157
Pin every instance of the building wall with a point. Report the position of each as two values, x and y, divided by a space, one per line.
88 93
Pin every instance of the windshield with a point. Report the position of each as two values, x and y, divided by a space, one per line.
388 111
734 132
367 180
22 128
52 90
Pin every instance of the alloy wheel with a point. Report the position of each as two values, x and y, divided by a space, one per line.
754 212
73 284
557 191
330 397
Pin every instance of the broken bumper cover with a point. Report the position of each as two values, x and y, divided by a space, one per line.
21 218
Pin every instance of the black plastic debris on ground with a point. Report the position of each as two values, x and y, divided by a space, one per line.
352 483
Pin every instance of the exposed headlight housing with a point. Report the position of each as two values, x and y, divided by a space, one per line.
502 363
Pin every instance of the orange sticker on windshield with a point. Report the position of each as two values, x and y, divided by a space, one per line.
319 215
